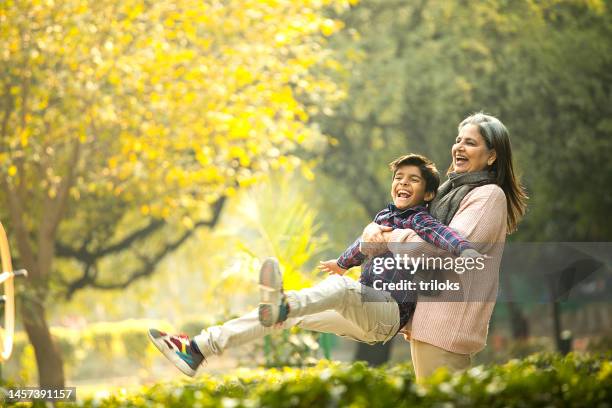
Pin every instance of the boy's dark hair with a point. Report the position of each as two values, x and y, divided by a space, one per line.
428 169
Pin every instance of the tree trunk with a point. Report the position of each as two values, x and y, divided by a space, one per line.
518 322
375 355
48 357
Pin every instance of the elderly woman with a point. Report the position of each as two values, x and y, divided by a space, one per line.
483 201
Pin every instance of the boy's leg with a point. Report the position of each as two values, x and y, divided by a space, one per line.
233 333
359 312
374 312
336 305
333 322
247 328
244 329
368 322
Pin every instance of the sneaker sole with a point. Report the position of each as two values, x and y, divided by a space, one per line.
270 292
156 338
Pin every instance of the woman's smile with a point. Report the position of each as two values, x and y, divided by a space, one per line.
460 161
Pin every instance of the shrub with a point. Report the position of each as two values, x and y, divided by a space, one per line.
287 348
539 380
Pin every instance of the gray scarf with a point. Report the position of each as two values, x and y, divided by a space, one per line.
453 191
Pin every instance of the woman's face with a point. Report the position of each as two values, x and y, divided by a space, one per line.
470 151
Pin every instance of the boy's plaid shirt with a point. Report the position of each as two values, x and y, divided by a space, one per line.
417 219
427 227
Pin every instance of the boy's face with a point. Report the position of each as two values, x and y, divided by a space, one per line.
408 188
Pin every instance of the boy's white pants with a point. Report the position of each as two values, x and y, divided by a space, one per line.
336 305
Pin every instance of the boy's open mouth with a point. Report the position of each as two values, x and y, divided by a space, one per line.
403 194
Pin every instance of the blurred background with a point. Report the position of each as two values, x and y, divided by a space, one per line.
152 153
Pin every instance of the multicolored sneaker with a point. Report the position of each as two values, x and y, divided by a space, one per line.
178 349
273 306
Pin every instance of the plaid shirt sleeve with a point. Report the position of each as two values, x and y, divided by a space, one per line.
351 256
436 233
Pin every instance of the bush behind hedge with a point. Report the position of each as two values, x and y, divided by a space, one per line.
110 345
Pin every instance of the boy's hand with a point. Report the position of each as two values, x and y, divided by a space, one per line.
331 267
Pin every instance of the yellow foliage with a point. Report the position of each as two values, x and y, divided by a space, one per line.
158 108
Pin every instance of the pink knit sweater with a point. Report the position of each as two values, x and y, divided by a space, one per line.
461 327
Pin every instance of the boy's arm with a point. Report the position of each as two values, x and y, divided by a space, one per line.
351 256
433 231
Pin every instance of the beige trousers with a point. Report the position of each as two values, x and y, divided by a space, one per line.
338 305
426 358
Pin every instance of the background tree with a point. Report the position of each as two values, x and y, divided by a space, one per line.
119 119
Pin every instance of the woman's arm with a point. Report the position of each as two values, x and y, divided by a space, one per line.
480 217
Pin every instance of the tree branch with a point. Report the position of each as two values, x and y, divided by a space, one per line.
83 255
148 264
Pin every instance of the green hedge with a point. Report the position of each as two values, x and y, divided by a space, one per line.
537 381
108 349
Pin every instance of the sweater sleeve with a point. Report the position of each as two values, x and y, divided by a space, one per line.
481 215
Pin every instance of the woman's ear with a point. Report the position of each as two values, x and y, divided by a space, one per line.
429 195
492 157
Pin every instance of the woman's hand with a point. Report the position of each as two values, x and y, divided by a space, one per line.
374 239
331 267
387 235
374 233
